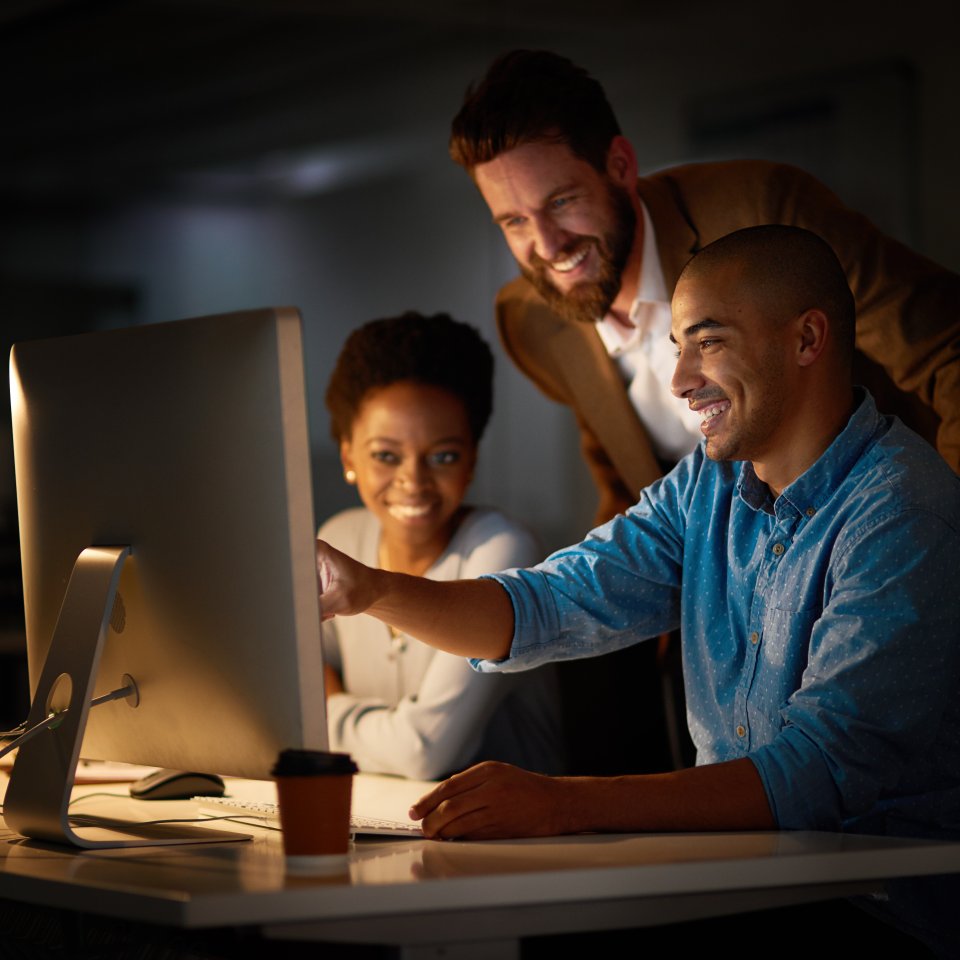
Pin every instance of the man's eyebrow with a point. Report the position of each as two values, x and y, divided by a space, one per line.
553 194
695 328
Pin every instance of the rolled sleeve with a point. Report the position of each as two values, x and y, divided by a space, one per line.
536 622
616 588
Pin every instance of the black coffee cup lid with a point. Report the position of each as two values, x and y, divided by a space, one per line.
312 763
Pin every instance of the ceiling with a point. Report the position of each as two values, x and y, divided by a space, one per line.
106 99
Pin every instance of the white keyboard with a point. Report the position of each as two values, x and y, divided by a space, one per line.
267 813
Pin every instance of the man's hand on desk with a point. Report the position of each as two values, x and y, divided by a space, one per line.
494 800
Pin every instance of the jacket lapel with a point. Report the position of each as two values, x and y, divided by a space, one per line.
677 241
602 402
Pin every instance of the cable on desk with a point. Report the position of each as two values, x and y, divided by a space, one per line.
99 793
92 820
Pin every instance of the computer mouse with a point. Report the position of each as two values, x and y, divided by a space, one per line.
177 785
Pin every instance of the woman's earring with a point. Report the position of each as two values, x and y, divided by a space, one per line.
350 476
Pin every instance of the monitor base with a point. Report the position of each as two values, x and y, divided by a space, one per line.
38 795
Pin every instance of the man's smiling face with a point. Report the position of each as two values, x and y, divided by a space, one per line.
570 227
732 365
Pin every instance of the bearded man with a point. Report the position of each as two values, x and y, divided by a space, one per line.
600 250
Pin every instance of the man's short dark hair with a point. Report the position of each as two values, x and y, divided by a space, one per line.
530 96
793 268
437 351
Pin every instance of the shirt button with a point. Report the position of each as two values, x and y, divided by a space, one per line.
754 637
778 549
810 511
741 730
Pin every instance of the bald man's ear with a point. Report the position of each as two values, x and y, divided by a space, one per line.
813 327
622 162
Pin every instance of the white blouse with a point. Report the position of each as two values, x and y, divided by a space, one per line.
415 711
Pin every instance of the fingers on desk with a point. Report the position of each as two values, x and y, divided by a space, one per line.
489 801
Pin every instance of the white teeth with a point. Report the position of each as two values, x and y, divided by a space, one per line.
565 266
404 511
708 413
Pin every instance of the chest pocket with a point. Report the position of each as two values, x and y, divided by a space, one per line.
786 641
782 658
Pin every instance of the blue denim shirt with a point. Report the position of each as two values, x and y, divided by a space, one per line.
821 629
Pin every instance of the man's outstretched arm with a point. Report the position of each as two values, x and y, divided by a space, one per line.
495 800
469 618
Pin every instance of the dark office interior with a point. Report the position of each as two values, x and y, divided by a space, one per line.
174 158
165 159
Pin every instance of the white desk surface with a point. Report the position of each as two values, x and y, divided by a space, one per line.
395 890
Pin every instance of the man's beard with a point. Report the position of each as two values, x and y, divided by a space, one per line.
589 301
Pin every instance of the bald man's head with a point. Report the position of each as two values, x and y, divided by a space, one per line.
789 270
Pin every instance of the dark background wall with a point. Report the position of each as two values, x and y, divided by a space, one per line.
170 158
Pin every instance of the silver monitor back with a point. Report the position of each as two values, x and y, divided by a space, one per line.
188 442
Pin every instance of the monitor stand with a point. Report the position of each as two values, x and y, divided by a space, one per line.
38 795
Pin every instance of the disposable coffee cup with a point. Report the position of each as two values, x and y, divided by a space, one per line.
313 790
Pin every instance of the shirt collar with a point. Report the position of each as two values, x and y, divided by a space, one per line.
651 287
814 487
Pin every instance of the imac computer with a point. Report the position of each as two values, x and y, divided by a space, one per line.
167 538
